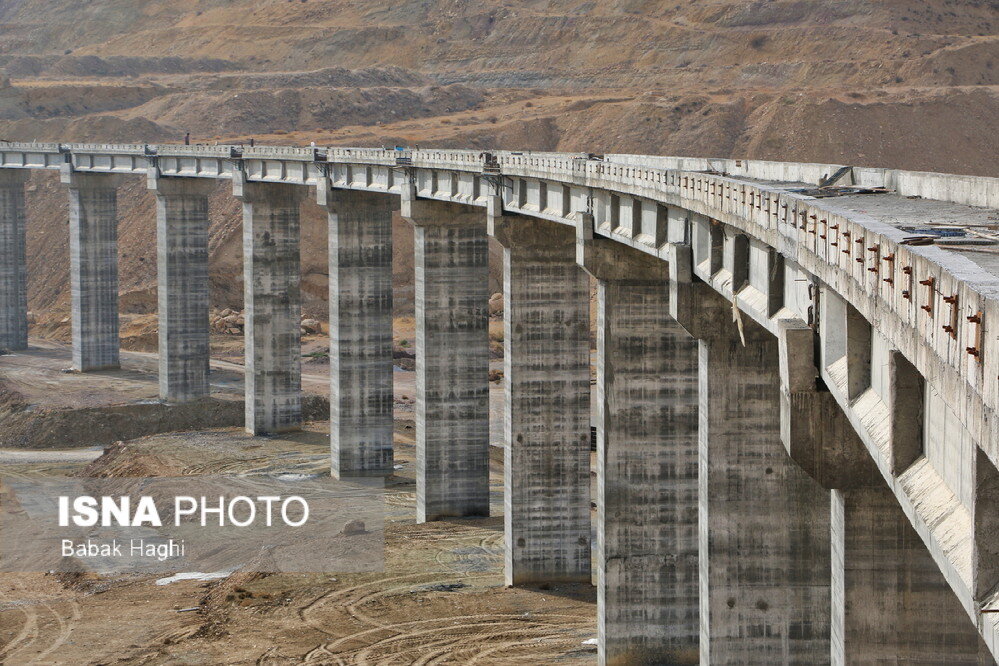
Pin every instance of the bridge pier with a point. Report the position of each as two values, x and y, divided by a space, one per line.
182 285
93 269
764 524
360 270
13 261
273 305
547 418
890 601
452 359
647 585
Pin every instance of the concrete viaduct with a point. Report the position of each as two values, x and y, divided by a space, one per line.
797 432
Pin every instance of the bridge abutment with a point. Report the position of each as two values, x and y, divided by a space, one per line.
360 292
273 306
93 269
647 585
13 261
182 286
452 359
546 342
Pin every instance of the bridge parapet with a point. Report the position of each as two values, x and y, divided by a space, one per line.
381 156
104 148
279 152
961 189
221 151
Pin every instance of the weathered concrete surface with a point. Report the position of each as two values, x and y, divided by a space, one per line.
273 305
93 269
182 285
815 431
891 604
647 585
13 263
764 524
360 270
452 359
547 421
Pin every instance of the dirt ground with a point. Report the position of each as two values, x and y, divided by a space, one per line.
440 599
43 406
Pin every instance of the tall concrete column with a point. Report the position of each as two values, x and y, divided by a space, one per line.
182 285
273 305
13 262
764 523
891 604
93 269
547 421
647 585
360 269
452 359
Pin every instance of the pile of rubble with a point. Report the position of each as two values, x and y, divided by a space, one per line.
232 322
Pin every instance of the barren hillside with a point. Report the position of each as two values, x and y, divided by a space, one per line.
885 83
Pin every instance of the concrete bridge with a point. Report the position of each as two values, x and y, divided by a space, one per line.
797 441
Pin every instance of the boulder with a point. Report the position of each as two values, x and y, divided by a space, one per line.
354 527
495 304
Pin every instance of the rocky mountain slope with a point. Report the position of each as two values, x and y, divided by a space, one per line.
877 82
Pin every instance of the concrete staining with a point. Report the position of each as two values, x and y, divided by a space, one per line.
834 499
93 270
273 304
647 585
13 263
546 367
452 360
764 524
182 286
902 610
360 270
